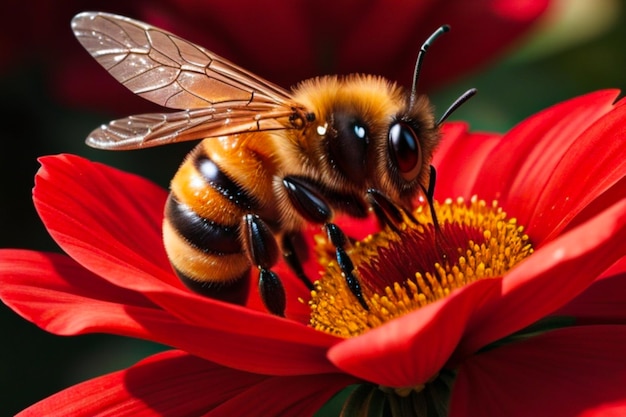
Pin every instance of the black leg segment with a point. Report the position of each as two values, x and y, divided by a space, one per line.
260 242
387 213
339 240
262 250
272 292
307 200
290 254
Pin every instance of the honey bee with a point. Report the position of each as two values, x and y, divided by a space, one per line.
270 160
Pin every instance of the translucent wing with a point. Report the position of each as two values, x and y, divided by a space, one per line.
155 129
218 96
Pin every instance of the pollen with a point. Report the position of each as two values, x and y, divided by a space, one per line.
416 264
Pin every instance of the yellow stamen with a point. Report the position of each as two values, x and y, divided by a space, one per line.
401 272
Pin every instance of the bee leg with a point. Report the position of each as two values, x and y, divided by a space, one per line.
310 203
272 292
262 250
290 254
387 213
307 200
339 240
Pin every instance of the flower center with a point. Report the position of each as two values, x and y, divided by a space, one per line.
402 270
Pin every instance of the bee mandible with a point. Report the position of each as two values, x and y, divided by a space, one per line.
270 160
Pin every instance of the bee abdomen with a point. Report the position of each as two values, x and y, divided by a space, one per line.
203 234
203 217
222 183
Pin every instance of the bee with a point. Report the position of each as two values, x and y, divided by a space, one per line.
270 160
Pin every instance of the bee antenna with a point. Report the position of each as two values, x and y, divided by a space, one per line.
457 103
420 57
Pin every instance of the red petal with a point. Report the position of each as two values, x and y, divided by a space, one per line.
599 203
285 396
603 302
615 408
177 384
550 277
594 163
59 295
460 159
107 220
521 165
255 336
411 349
567 372
559 155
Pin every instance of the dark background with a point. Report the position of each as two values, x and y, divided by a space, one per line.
573 57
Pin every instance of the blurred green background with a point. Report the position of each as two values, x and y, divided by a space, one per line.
581 48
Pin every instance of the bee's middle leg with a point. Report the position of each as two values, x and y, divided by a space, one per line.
262 251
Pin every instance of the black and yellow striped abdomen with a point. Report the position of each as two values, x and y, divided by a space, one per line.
220 181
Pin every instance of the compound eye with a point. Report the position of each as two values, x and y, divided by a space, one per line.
405 151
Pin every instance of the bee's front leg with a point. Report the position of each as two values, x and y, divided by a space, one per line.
291 242
312 206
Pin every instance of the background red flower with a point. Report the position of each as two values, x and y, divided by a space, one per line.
283 41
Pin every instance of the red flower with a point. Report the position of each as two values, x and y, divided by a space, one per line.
284 42
560 174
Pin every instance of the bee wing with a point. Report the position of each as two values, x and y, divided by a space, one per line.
168 70
155 129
